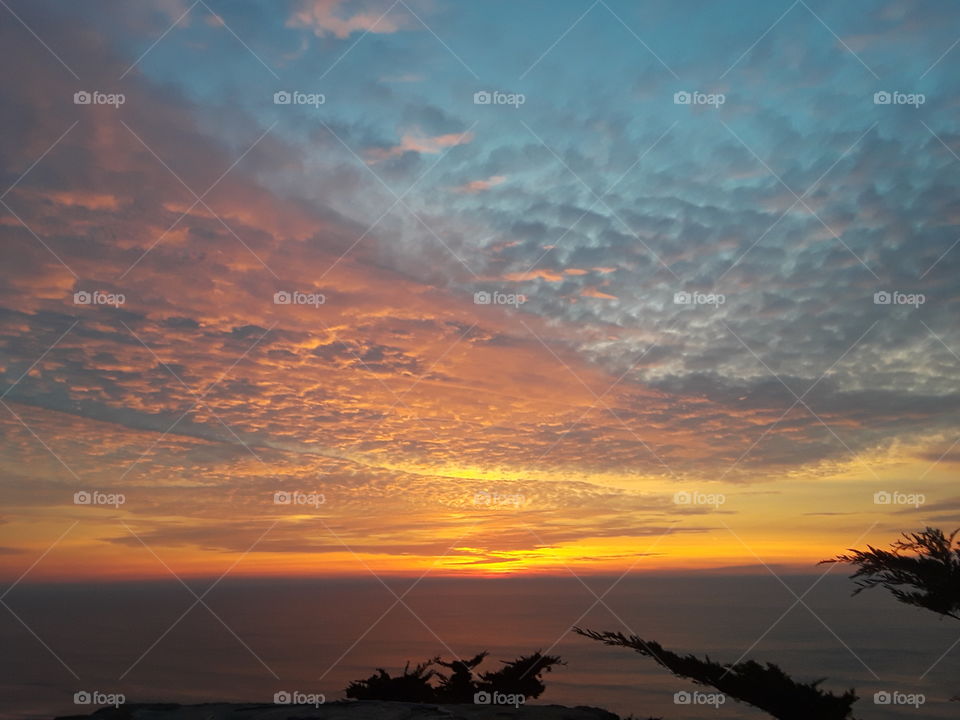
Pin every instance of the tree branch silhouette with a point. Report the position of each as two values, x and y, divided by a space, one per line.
766 687
921 569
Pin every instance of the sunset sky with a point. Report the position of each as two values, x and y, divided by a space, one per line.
563 425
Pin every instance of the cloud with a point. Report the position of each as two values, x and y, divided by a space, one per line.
595 293
412 143
403 78
475 186
400 396
326 17
540 273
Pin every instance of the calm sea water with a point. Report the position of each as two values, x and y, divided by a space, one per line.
316 635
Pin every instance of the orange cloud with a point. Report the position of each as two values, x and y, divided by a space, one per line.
542 274
594 293
475 186
88 200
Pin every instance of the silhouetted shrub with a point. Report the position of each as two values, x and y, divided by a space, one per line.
425 684
413 686
459 686
522 676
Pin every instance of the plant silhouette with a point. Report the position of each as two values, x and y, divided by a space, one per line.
522 676
766 687
459 686
921 569
412 686
426 684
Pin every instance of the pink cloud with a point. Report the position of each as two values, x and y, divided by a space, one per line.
323 18
419 144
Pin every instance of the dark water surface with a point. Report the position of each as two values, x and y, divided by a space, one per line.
316 635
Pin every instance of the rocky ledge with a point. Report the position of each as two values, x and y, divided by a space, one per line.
343 710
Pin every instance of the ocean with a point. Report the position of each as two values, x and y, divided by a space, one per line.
315 635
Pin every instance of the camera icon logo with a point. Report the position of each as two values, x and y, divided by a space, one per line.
682 98
282 497
482 97
681 298
282 697
882 698
882 498
281 97
282 297
882 297
481 297
482 698
682 698
881 98
82 297
82 497
82 698
82 97
682 498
